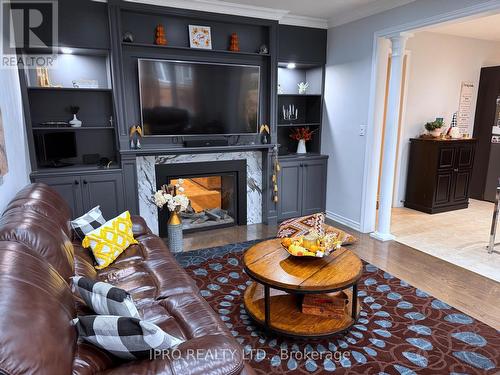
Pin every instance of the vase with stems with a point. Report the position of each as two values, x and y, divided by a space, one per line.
176 202
301 135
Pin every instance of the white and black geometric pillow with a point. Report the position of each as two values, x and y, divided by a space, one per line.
104 298
88 222
128 338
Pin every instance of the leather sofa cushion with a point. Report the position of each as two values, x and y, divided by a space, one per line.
40 235
214 358
147 271
36 307
46 201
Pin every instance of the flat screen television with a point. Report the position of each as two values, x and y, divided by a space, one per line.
180 98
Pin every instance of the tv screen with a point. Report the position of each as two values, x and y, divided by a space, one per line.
189 98
59 145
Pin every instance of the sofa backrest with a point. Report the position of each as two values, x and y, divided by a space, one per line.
39 218
36 309
44 200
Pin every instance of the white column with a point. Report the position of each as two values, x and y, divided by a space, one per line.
383 231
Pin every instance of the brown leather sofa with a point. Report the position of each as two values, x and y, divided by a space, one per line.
37 258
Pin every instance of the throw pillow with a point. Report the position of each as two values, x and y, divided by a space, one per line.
104 298
109 240
346 238
302 225
124 337
88 222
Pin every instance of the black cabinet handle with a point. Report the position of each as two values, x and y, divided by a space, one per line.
85 182
77 182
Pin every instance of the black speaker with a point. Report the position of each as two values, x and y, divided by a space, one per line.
91 158
206 143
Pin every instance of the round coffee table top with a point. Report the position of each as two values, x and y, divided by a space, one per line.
270 264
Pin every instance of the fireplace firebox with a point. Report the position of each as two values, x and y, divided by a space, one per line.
217 192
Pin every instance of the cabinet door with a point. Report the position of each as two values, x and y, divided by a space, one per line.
105 190
69 187
446 157
290 190
314 187
465 157
461 188
443 192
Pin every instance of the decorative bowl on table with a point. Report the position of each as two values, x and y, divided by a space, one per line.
311 245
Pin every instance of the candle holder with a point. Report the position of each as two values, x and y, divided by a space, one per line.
290 113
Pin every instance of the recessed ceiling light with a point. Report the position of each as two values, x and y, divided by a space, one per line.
66 50
291 66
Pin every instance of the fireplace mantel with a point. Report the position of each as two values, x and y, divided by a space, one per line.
197 150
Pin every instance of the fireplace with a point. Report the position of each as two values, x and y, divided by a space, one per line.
217 192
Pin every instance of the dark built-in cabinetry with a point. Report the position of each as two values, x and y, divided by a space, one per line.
302 186
439 174
92 47
302 183
87 190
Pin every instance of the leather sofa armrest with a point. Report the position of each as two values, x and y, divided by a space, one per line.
139 226
205 355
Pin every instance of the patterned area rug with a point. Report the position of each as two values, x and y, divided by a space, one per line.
401 329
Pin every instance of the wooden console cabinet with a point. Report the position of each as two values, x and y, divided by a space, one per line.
439 174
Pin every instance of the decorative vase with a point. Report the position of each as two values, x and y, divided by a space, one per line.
436 132
301 147
175 239
75 123
265 138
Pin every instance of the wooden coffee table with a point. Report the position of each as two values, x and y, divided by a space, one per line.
281 280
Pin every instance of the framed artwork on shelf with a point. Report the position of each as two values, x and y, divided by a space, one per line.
200 37
4 168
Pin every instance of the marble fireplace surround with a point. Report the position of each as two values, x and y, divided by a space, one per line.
146 180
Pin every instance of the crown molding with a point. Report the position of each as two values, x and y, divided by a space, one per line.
366 11
225 7
294 20
222 7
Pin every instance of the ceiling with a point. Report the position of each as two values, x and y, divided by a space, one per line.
313 13
335 11
485 28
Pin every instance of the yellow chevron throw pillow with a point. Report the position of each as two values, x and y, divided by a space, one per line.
110 240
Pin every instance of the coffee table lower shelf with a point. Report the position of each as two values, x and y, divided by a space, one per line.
286 318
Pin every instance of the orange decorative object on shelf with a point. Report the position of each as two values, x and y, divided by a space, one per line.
160 38
234 44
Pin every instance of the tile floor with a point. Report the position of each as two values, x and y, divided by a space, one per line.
458 237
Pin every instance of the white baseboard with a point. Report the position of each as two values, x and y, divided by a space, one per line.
343 220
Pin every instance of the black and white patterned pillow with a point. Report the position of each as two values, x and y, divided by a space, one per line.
88 222
128 338
104 298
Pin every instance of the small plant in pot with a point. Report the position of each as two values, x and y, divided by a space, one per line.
435 127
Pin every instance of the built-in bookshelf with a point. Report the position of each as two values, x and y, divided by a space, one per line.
298 110
80 78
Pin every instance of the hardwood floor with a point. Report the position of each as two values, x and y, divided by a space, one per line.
469 292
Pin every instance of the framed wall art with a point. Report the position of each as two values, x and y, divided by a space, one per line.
200 37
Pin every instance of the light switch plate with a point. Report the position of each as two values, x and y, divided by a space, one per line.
362 130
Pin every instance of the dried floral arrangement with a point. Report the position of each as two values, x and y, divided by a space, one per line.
302 134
